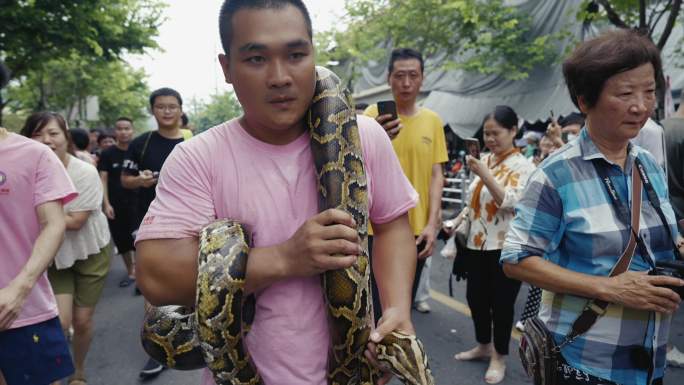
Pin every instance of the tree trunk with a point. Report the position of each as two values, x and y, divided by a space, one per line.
2 107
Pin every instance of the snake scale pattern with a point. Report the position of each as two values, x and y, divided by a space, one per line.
212 333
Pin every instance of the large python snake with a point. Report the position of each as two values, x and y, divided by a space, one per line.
211 333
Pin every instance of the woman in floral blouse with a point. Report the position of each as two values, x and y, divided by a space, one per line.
499 179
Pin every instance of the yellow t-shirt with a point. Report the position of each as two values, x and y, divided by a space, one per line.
419 145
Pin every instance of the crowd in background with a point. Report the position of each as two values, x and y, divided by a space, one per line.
545 207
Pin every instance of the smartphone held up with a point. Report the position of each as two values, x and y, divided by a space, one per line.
472 147
388 107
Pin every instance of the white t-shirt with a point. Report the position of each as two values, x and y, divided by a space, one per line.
94 235
652 139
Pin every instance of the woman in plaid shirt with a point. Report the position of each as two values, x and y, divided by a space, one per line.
567 235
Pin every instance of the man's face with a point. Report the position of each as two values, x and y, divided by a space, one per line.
271 68
405 80
167 111
123 130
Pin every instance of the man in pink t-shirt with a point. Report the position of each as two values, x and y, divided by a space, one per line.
258 170
33 187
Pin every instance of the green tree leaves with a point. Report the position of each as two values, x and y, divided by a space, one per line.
478 35
220 108
64 51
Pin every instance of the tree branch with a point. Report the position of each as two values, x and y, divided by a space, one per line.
642 14
674 12
653 23
613 16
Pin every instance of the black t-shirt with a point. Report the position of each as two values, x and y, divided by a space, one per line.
111 161
147 152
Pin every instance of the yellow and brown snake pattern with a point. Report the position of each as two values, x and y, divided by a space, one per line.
212 334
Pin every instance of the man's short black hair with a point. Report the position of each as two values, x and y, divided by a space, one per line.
80 138
405 54
4 75
230 8
124 118
166 91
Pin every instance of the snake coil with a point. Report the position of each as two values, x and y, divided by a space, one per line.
211 334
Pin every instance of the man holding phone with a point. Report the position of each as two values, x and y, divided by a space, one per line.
144 159
417 135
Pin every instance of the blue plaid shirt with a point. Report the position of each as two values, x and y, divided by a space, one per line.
565 215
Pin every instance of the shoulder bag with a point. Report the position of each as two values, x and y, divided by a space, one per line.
538 351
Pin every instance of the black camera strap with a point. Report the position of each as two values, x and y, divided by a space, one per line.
655 202
596 308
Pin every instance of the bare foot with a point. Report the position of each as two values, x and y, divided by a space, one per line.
497 369
477 353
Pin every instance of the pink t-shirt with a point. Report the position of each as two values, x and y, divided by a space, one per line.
30 175
227 173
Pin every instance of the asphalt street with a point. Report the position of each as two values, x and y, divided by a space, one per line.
116 355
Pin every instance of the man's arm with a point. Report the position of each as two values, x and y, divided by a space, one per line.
106 206
429 233
51 219
632 289
394 263
143 179
166 269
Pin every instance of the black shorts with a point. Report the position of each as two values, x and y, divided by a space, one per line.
122 227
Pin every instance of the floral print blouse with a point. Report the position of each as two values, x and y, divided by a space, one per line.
488 226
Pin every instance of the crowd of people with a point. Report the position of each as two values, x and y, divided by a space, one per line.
581 212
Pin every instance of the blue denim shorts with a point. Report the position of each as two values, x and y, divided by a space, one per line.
35 354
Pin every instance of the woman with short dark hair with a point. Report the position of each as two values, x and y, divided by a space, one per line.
582 212
499 178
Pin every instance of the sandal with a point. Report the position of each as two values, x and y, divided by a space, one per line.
494 376
77 381
126 282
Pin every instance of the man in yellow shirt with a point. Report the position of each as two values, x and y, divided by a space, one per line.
418 139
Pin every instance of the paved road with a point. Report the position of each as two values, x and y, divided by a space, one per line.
116 355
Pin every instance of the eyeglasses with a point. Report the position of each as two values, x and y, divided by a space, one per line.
170 107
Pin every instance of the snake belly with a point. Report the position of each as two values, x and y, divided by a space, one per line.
212 333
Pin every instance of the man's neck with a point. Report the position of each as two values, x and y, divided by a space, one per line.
3 133
170 132
270 136
122 146
408 109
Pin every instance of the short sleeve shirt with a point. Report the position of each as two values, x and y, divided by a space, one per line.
226 173
147 152
489 225
30 175
111 162
94 234
565 215
419 145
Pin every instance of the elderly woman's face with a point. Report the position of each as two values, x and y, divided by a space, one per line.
624 105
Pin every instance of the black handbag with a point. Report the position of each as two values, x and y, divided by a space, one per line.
538 351
460 267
